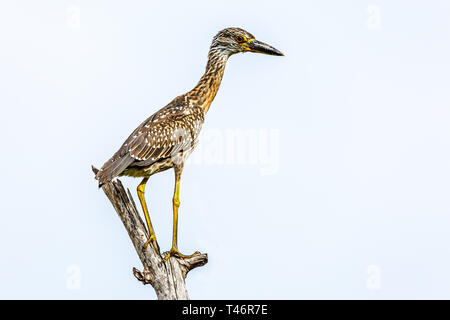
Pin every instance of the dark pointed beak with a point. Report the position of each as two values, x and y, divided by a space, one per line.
261 47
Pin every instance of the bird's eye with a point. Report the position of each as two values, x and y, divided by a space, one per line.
239 39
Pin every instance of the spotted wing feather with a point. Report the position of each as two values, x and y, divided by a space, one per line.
166 135
172 129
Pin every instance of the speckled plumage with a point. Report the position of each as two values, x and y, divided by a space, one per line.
173 130
166 138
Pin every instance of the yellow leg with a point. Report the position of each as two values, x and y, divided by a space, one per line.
176 204
141 196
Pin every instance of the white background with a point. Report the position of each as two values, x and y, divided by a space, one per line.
357 208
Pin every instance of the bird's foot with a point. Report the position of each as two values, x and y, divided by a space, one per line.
175 253
153 241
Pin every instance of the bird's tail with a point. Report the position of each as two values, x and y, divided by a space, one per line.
112 168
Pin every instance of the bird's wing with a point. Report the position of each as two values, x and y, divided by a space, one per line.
165 134
172 129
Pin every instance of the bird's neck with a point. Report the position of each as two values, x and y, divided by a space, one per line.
203 94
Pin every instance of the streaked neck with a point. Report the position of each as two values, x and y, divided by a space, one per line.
205 91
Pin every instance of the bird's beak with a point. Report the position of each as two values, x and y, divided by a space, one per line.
261 47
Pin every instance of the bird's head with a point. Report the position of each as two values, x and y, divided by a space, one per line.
234 40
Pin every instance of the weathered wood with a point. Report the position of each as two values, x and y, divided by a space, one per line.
167 278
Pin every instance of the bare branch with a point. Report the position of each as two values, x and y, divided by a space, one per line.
167 278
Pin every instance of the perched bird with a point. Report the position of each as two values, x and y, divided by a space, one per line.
166 138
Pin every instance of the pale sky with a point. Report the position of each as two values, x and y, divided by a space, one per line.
321 174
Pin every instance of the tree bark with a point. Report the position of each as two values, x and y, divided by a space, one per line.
167 278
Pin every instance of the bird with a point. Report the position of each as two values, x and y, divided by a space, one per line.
165 139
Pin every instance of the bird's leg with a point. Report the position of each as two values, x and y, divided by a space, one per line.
141 196
176 204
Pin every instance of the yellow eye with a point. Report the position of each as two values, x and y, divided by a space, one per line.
240 39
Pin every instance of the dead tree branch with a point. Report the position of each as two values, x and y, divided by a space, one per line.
167 278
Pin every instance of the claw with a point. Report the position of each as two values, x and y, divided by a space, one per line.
152 239
174 252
